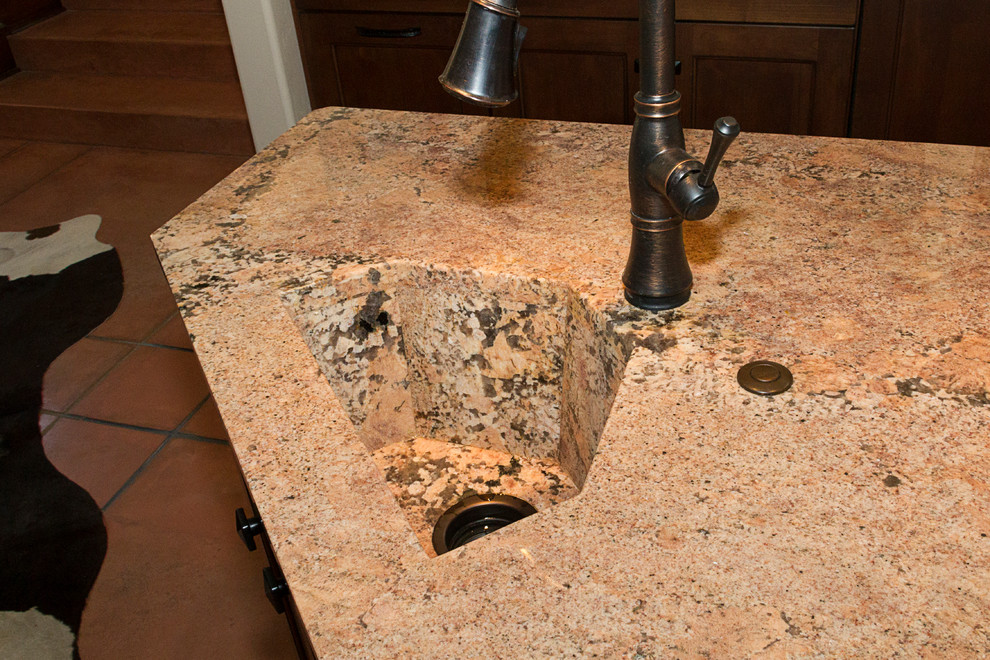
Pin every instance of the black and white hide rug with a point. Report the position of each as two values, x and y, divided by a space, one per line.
56 284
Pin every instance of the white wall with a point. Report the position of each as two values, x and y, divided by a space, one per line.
263 35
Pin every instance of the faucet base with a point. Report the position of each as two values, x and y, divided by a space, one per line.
656 304
657 275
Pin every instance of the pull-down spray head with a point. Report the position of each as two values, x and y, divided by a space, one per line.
482 67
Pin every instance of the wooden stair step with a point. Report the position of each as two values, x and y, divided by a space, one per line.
128 43
153 113
210 6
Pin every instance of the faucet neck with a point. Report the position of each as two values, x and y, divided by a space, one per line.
657 127
656 47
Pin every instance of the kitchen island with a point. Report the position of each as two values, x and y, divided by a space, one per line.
848 516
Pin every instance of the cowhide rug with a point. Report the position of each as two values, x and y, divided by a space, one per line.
56 284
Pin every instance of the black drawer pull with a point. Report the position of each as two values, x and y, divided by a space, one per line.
401 33
275 588
247 528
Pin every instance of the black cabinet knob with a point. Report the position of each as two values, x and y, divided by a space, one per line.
247 528
276 589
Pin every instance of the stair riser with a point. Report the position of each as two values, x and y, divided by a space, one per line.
212 135
213 6
192 61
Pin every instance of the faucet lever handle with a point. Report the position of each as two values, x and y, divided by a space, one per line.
726 130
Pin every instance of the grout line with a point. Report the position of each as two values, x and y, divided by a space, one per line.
134 346
160 326
195 410
168 438
131 342
133 427
201 438
131 479
92 386
49 427
104 422
46 176
13 151
173 348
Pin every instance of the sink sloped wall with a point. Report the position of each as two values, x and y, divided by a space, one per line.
520 366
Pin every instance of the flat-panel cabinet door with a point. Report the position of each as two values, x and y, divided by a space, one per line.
773 79
578 70
923 72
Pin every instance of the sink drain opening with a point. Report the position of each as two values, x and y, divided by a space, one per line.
476 516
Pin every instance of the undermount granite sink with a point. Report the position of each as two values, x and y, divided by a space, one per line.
462 382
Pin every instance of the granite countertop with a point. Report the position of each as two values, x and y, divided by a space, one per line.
848 516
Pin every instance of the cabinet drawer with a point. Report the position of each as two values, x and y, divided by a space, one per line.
388 61
555 8
796 12
388 29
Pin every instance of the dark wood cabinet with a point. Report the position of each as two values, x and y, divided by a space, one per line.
579 59
770 12
379 60
773 79
391 60
578 70
924 71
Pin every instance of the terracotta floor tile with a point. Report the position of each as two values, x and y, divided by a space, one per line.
7 145
173 333
147 300
152 387
207 422
98 457
135 192
75 370
176 581
22 168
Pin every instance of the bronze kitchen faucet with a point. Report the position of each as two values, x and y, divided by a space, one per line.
666 184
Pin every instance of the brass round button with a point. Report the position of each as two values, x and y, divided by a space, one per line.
765 377
765 373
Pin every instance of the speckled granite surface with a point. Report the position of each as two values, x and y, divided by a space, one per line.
847 517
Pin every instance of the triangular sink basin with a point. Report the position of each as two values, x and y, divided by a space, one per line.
462 382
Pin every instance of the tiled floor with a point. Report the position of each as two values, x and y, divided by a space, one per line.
127 415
